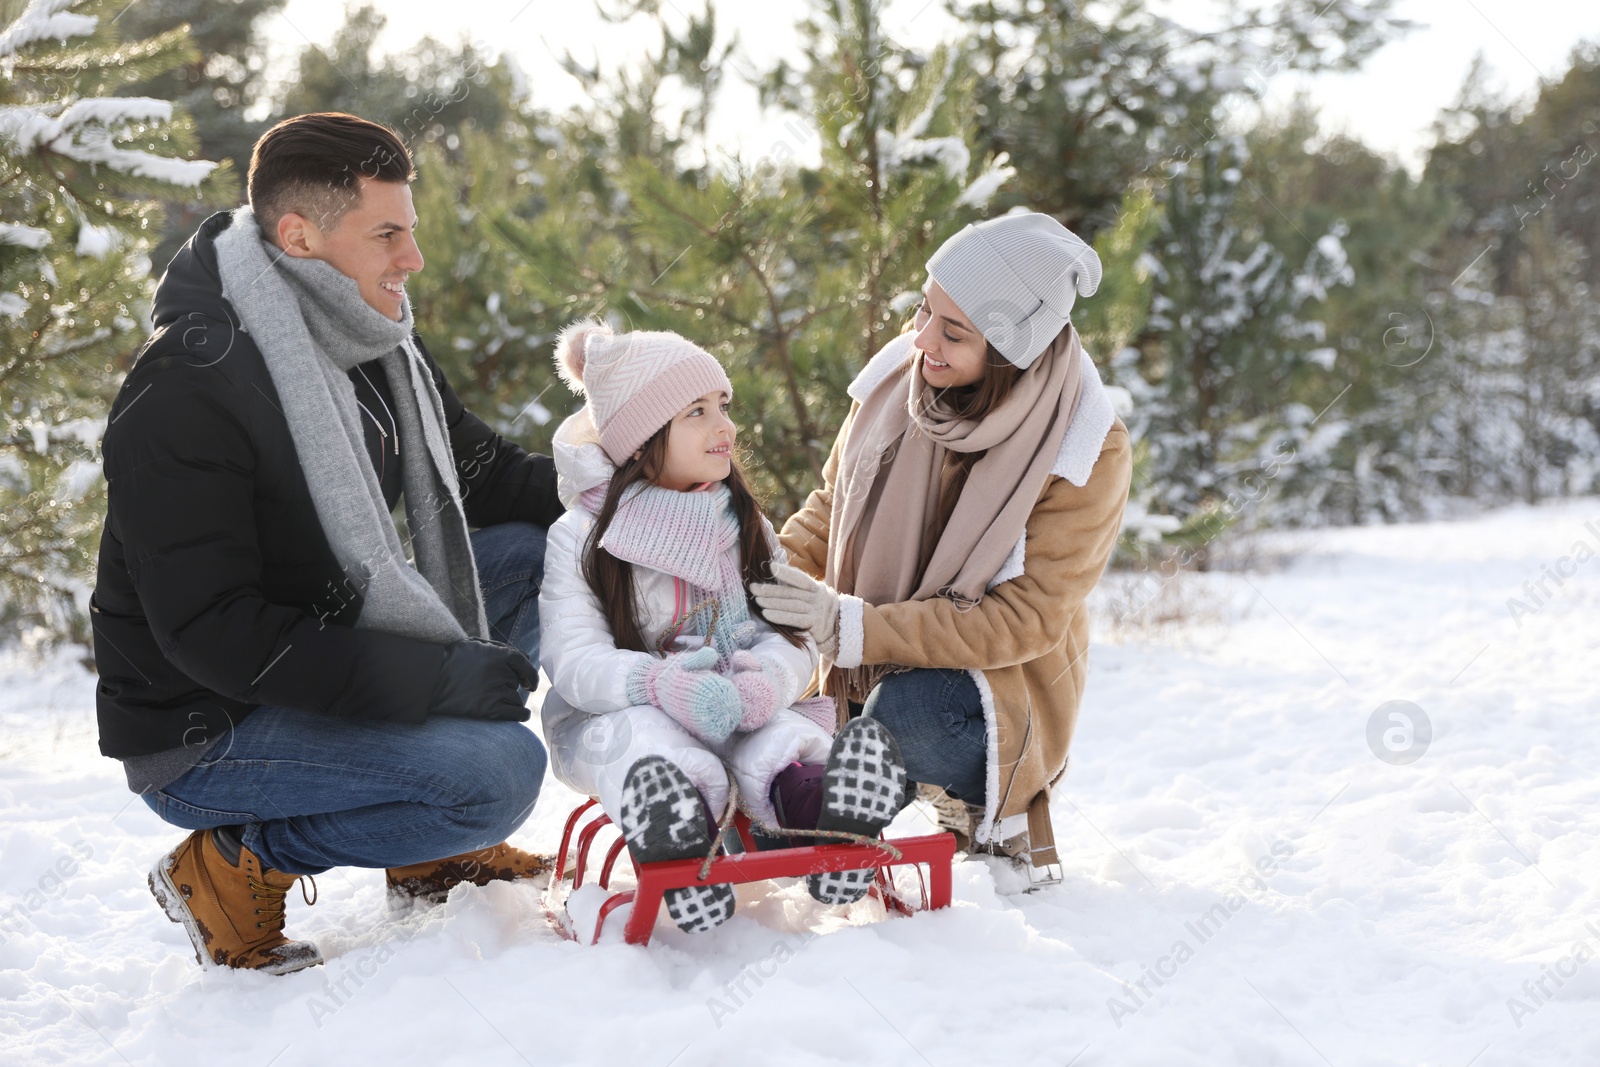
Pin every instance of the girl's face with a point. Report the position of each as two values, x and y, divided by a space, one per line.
699 444
953 351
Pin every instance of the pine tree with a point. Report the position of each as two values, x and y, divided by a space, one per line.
224 81
1091 100
1375 395
1109 324
479 147
1232 329
430 94
80 168
793 275
1513 396
1086 98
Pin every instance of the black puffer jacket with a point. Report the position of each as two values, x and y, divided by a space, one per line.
217 591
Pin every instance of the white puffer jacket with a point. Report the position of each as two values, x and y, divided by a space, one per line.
593 731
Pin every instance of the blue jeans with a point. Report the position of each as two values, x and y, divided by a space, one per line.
510 561
313 792
936 717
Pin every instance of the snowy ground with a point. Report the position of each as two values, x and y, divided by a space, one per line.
1444 911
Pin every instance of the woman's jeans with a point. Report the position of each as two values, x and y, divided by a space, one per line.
313 792
936 717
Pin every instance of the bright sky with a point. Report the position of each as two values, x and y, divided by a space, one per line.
1391 104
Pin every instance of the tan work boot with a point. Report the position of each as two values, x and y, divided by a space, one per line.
431 882
1019 853
232 908
950 815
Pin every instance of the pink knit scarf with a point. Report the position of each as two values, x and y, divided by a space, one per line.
693 536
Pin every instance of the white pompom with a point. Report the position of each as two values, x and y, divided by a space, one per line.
572 349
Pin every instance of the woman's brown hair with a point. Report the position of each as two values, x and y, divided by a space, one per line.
975 402
981 398
612 578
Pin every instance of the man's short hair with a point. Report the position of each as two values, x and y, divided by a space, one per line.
312 165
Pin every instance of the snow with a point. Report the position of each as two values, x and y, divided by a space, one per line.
43 20
85 432
84 131
905 301
1246 881
13 233
111 110
1323 357
985 185
951 153
536 411
95 146
23 129
12 305
908 145
1138 522
95 241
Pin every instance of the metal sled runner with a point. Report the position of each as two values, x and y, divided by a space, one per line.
653 879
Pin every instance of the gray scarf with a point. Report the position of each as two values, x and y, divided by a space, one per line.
312 325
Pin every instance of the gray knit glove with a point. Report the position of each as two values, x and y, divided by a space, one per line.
796 599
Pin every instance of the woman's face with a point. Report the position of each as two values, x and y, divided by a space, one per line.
699 444
953 351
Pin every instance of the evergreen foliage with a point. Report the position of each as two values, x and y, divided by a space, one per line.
81 168
1295 329
215 88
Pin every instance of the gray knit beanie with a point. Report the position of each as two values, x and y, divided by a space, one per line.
1016 278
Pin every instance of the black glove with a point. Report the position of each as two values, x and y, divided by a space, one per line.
483 680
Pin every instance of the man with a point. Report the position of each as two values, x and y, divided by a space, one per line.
275 674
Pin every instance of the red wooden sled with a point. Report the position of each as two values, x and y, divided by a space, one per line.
935 850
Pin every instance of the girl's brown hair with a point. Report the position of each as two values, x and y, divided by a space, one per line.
612 578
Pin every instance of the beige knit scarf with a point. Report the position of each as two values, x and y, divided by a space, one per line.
886 491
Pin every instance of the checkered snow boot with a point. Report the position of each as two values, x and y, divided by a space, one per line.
863 789
663 818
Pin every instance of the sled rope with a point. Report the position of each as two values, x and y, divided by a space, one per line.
736 803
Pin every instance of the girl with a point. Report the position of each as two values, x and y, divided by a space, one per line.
665 678
971 501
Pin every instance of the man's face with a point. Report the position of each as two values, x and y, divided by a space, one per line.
373 242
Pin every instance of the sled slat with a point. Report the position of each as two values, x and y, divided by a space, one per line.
654 879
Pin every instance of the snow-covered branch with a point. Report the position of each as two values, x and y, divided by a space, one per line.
84 131
896 150
984 186
42 20
33 237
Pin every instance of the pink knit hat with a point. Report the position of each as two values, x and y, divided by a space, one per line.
635 382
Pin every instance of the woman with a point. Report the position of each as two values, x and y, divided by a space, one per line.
971 501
